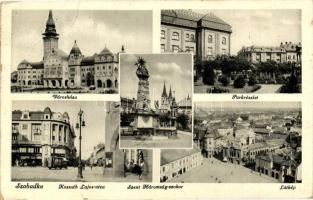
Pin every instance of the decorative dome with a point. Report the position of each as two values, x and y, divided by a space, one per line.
105 51
47 110
65 115
75 49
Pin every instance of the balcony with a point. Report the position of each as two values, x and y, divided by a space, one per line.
24 140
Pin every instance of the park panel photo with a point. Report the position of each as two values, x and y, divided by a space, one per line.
238 51
156 101
73 142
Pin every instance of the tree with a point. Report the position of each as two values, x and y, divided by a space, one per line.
292 85
239 82
183 120
252 81
208 76
224 80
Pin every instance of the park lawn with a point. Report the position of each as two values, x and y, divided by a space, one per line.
202 88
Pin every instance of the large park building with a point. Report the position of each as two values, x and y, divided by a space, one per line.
74 70
287 52
39 135
205 35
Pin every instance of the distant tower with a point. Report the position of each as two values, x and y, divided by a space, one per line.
50 37
164 95
143 97
75 55
75 58
170 96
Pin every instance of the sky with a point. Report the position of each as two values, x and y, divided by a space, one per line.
94 115
250 104
174 69
93 31
260 27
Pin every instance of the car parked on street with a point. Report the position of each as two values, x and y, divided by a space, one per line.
57 163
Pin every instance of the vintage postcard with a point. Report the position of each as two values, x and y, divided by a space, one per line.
156 99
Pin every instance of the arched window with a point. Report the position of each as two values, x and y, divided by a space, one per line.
223 40
162 34
210 39
192 37
175 36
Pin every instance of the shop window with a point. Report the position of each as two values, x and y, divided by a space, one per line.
109 159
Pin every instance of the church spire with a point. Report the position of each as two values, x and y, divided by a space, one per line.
50 26
164 94
170 92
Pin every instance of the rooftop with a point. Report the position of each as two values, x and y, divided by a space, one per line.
193 20
170 155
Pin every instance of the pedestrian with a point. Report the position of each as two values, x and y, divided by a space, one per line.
140 169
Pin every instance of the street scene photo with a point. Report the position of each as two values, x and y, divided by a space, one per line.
74 51
246 142
238 51
73 141
156 101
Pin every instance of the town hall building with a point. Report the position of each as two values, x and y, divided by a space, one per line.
74 70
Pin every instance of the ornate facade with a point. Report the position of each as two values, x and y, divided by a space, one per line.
285 52
39 135
73 70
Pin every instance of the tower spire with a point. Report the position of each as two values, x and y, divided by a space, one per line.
170 92
50 26
164 94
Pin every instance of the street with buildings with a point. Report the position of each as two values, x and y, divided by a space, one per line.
44 145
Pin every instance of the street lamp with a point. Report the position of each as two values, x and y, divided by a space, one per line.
79 125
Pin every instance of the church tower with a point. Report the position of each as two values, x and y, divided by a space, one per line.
164 95
50 37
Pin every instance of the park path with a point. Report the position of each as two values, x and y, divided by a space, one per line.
268 88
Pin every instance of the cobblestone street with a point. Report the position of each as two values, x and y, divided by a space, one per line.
70 174
183 140
215 171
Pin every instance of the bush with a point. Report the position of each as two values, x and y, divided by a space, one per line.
209 76
183 120
239 82
224 80
291 86
217 90
252 81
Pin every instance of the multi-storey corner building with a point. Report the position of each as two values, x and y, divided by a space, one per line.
39 135
286 52
206 35
177 162
73 70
